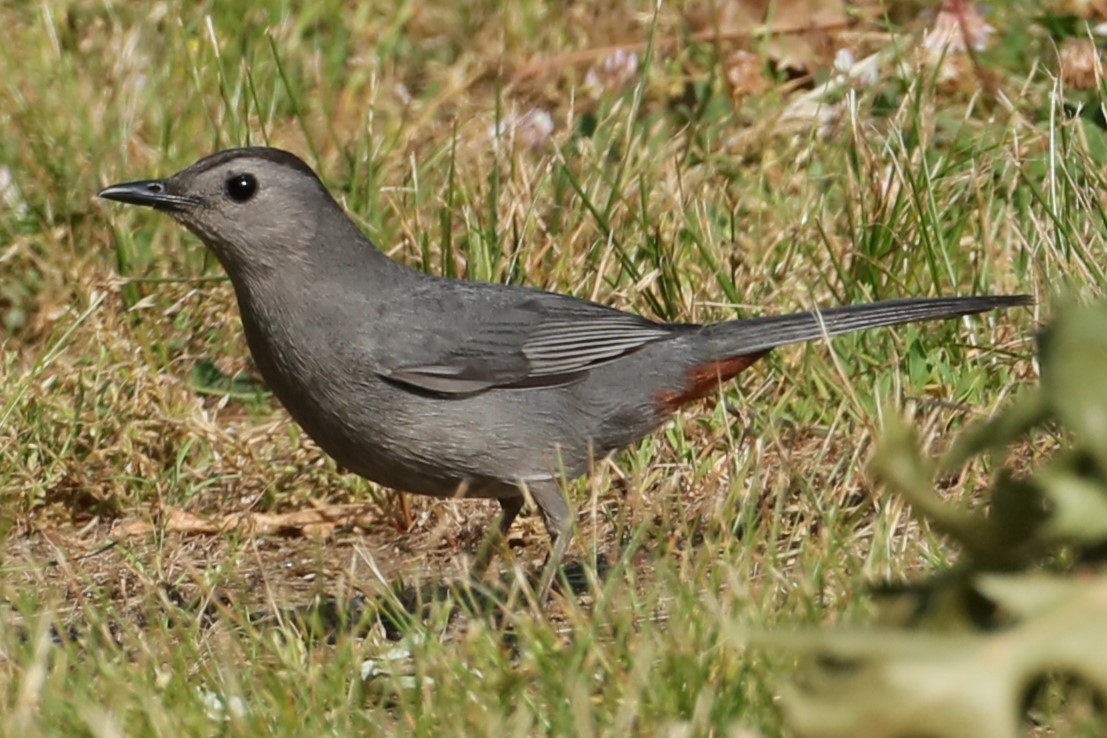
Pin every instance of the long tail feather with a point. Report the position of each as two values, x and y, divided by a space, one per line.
739 337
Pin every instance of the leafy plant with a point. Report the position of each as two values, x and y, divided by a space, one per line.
962 653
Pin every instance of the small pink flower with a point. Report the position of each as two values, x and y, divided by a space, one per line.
957 27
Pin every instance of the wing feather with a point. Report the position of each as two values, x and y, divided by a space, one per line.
546 341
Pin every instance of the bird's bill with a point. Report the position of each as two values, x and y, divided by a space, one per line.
152 193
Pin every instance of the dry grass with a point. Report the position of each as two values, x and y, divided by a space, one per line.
128 393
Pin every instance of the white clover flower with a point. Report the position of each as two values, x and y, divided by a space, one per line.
531 129
615 72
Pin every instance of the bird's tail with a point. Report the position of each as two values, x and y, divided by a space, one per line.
741 337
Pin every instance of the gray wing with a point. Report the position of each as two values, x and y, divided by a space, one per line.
546 340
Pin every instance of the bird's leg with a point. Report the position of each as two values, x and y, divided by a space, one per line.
509 510
555 514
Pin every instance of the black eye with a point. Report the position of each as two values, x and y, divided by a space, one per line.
241 187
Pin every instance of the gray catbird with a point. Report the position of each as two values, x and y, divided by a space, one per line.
449 387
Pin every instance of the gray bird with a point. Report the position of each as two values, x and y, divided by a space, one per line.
449 387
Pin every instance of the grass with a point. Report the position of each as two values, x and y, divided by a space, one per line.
128 392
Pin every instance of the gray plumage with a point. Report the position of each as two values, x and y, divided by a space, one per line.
444 387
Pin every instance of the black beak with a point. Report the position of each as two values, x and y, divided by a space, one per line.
150 192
